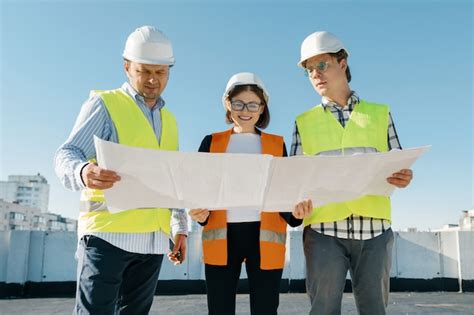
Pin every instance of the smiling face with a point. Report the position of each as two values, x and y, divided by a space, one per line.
244 120
148 80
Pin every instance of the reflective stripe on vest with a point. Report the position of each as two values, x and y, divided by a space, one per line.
214 234
274 237
91 205
272 225
367 127
133 129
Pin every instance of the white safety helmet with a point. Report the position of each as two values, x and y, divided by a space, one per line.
149 45
244 78
319 43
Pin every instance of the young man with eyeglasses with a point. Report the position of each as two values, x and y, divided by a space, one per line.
353 235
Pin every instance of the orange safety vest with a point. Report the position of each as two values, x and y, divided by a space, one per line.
272 226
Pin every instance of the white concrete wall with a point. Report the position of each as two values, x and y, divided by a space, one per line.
4 247
49 256
295 256
58 257
417 255
449 255
18 254
466 255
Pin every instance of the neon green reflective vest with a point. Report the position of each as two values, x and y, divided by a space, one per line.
367 127
133 129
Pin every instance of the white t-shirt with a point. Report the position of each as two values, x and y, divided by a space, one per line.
244 143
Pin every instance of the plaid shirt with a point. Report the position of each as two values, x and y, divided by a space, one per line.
353 227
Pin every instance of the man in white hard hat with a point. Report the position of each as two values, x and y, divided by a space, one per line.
120 254
353 235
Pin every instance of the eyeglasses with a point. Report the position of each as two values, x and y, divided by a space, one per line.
320 67
239 106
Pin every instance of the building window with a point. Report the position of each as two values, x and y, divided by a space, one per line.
38 219
56 225
17 216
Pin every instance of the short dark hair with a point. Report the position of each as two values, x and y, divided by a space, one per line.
264 118
340 55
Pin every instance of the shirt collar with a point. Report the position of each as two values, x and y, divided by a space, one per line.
138 98
351 102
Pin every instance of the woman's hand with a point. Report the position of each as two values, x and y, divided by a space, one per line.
199 215
303 209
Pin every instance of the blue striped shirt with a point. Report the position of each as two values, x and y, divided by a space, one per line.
73 155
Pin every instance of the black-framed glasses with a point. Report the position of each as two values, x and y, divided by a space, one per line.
321 67
239 106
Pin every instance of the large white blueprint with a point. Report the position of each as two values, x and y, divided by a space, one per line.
328 179
167 179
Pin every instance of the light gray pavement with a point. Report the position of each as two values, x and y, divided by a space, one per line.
400 303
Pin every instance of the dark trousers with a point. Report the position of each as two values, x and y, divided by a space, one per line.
113 281
329 258
221 281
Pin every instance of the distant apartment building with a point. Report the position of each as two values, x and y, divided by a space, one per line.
27 190
449 227
14 216
466 223
55 222
17 217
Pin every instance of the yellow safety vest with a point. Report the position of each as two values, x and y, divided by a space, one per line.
367 127
133 129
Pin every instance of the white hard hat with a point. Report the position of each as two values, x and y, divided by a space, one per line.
149 45
319 43
244 78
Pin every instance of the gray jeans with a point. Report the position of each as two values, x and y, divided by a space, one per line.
329 258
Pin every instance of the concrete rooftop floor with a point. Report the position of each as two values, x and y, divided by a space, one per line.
400 303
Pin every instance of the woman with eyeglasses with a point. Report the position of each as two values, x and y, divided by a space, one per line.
232 236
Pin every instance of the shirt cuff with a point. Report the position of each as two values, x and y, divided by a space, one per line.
179 222
77 175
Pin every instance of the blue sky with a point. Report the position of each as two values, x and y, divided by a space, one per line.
416 56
